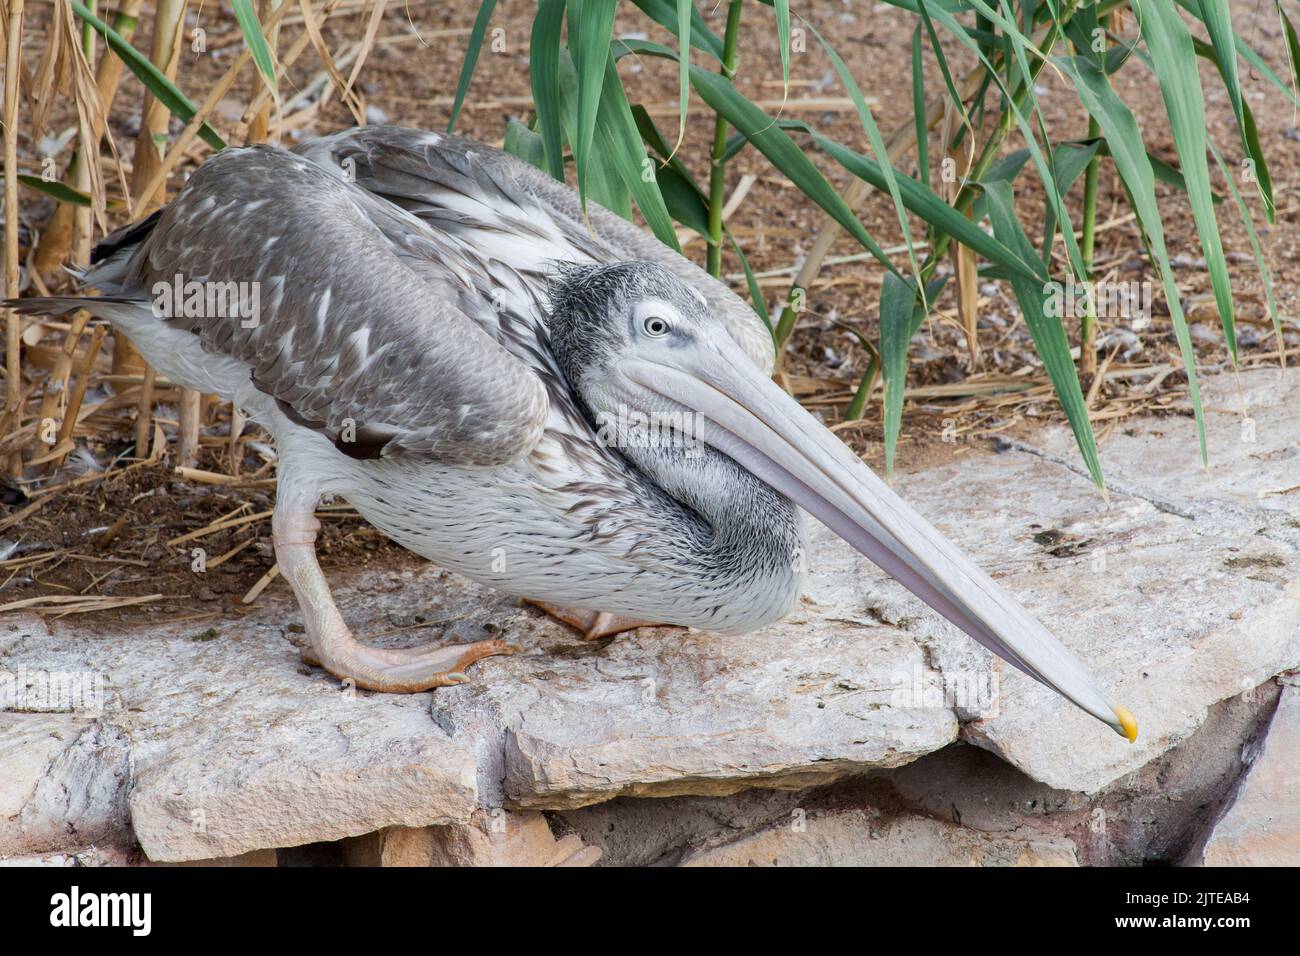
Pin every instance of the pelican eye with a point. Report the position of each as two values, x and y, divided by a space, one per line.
655 326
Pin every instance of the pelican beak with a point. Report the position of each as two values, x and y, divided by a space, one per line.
746 416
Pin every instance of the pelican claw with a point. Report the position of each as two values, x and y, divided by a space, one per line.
593 624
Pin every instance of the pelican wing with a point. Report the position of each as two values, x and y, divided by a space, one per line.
513 213
347 325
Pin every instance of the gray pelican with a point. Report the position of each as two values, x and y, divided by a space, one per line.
568 411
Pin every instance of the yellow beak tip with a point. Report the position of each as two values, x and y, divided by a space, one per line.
1128 722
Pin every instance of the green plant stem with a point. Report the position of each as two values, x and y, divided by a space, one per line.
1089 240
717 167
784 326
868 382
88 34
859 402
1088 323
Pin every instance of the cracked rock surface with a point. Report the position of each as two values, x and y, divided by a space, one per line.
1181 592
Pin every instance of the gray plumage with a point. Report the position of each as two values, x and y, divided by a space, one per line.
351 329
370 316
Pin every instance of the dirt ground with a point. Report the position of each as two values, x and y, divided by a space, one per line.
117 536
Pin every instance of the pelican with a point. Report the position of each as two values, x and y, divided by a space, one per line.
559 407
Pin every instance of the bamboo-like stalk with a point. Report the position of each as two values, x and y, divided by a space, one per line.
963 257
191 414
108 75
56 383
865 387
965 269
717 165
13 362
164 51
72 52
56 238
260 128
145 410
258 131
79 390
1088 323
87 155
88 33
167 33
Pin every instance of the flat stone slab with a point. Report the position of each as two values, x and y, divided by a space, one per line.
1180 592
232 746
677 714
1262 825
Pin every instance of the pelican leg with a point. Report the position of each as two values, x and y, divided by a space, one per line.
332 645
593 624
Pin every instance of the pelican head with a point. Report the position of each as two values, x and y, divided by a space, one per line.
639 345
